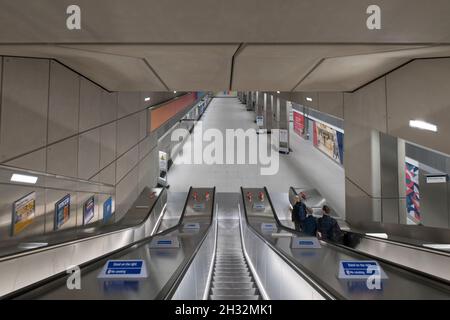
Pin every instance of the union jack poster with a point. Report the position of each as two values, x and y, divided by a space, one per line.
412 191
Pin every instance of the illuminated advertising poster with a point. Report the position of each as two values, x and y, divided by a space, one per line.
62 211
162 161
412 191
24 211
329 141
299 122
88 210
107 209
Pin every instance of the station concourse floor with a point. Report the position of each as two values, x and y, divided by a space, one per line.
305 166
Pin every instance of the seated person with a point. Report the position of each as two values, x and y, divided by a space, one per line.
327 227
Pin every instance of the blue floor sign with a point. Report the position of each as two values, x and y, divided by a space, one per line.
360 270
124 269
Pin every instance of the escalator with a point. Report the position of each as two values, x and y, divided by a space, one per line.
164 255
232 278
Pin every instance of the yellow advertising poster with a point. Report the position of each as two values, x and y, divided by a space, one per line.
327 141
24 211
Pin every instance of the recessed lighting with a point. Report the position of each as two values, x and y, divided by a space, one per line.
437 246
278 92
419 124
308 99
377 235
147 99
23 178
174 92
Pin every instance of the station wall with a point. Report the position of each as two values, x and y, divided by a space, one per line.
56 121
419 90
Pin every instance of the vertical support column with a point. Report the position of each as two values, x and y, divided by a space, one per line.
249 101
283 125
268 114
259 107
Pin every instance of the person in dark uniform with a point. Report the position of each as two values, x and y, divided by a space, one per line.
299 212
310 225
327 227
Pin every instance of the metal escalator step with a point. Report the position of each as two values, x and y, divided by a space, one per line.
234 291
238 273
240 285
232 279
230 297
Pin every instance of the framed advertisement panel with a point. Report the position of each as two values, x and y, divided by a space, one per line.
329 141
62 211
23 213
299 122
107 209
88 210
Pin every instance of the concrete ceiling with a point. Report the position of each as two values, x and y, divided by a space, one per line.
215 67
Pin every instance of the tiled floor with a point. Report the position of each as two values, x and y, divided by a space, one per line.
305 166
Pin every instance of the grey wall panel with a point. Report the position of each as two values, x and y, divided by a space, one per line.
126 162
128 102
362 157
332 103
126 193
367 106
32 161
63 102
147 144
127 133
390 210
107 144
106 175
148 171
90 103
89 154
10 194
421 90
24 106
108 111
52 197
62 157
143 121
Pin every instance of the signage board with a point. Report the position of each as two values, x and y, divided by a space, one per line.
360 269
268 227
259 121
191 226
107 209
259 206
305 243
88 210
162 161
437 178
24 212
164 242
124 269
62 211
198 206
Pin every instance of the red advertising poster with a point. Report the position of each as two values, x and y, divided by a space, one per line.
299 122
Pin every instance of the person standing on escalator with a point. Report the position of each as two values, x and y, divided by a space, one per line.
299 212
327 227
